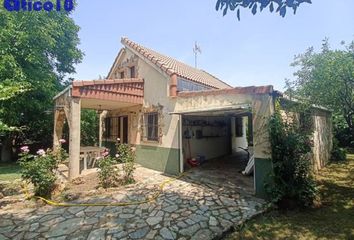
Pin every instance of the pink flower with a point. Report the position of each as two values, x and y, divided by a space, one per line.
24 149
41 152
105 153
62 141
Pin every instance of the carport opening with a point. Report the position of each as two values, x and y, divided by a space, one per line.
217 147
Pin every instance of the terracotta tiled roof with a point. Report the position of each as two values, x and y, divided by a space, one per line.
124 90
172 66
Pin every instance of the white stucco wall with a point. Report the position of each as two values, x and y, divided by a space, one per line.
261 106
212 101
156 91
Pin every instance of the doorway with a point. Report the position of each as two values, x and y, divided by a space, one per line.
117 127
124 129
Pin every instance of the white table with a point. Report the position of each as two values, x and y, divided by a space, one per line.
89 151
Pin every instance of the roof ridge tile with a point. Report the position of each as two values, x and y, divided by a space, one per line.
173 66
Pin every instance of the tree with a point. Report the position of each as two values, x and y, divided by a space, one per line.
38 50
7 92
89 127
327 79
280 6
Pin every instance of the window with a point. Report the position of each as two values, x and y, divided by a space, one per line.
121 75
132 72
185 85
239 127
151 126
111 128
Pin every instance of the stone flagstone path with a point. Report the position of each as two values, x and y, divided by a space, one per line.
186 210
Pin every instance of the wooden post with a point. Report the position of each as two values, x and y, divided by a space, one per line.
102 126
74 142
100 131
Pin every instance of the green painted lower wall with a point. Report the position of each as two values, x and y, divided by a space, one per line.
158 158
263 168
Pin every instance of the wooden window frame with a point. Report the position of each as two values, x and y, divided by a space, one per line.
132 71
151 126
122 75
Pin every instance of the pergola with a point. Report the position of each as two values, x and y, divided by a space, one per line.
99 95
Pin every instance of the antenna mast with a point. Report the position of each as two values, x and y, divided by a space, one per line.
196 50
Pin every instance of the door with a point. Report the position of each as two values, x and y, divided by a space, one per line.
124 129
117 127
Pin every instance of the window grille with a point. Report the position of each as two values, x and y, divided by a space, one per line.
151 126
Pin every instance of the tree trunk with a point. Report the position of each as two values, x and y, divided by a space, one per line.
6 150
350 122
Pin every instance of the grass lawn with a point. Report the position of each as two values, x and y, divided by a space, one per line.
333 220
9 171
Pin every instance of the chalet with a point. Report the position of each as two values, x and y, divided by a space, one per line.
172 113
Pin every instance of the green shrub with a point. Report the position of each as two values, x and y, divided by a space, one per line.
89 127
126 155
40 169
338 154
108 175
292 182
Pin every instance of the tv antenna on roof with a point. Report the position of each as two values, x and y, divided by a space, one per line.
196 50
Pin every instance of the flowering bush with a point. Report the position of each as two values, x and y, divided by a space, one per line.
127 157
40 169
110 174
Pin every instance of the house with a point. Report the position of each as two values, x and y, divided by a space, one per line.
171 112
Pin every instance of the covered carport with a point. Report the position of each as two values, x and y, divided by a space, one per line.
215 127
221 140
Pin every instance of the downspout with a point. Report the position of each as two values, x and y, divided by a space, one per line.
173 85
180 143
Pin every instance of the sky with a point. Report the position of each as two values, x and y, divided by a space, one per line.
256 51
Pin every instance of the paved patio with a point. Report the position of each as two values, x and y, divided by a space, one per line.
187 209
226 172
